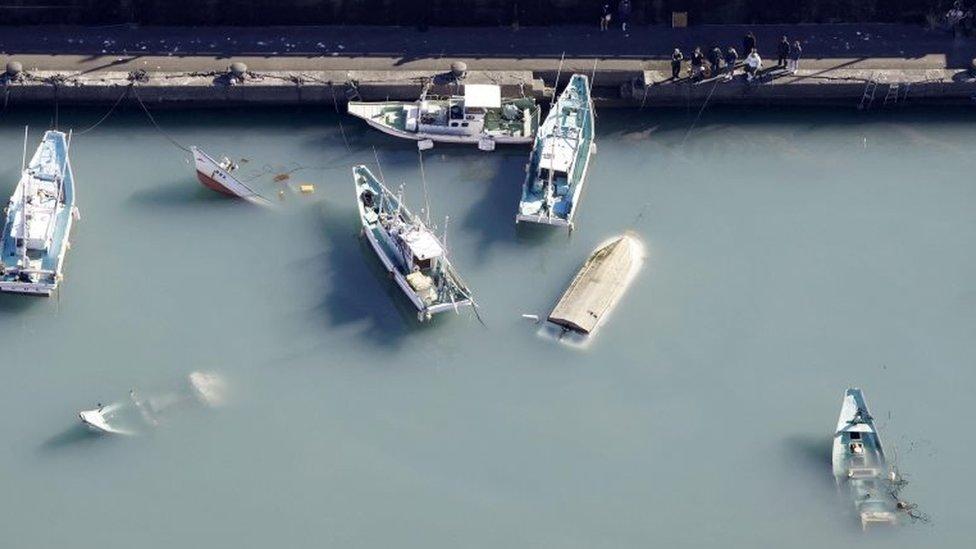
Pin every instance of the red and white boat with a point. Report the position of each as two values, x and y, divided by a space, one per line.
219 177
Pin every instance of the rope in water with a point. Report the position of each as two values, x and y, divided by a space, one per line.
156 124
125 94
335 103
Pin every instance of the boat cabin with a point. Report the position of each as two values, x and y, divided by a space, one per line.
419 249
34 207
463 115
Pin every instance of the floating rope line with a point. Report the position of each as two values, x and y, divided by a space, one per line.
701 110
154 123
335 103
125 93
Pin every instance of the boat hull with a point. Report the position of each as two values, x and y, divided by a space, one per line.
51 154
370 230
212 176
447 138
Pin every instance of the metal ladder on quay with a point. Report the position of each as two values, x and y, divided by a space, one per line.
870 87
891 98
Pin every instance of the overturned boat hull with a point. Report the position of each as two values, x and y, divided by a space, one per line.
598 285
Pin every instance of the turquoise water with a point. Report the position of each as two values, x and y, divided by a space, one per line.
790 255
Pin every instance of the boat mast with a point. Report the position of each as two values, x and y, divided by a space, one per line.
25 178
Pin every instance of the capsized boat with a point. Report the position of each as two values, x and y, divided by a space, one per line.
859 463
137 414
598 285
560 157
220 177
409 249
39 219
479 116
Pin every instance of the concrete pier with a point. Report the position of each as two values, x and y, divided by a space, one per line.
892 64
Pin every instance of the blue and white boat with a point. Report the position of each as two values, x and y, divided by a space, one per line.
560 157
410 251
859 463
38 219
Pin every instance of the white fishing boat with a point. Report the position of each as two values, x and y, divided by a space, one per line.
221 177
560 158
39 217
411 252
859 463
137 414
481 115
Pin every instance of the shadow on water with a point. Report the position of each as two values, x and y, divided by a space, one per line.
358 290
181 194
74 436
15 303
812 459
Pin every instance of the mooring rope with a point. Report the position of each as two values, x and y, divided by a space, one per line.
125 93
156 124
701 110
335 103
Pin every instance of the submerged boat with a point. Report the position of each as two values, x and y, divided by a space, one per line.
39 218
409 250
560 157
219 176
859 463
598 285
479 116
137 414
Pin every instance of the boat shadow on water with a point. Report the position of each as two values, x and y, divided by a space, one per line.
358 289
75 436
492 217
185 192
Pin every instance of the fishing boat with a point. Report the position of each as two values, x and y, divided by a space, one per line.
137 414
220 177
560 157
598 285
409 250
38 219
859 463
479 116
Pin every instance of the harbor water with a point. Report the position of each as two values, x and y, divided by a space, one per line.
790 254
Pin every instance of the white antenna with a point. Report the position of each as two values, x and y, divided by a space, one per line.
447 218
558 72
378 167
25 178
423 180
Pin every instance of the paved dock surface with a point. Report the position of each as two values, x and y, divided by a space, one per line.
84 49
184 64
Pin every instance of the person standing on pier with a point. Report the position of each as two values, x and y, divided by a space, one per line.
783 52
731 58
623 11
676 58
605 18
697 63
715 61
748 43
795 53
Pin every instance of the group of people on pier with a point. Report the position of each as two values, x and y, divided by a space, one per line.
717 62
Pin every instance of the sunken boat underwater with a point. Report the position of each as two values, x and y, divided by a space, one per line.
409 249
481 115
39 218
859 463
560 157
598 285
221 177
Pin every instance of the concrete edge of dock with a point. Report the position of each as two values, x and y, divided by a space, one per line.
612 88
